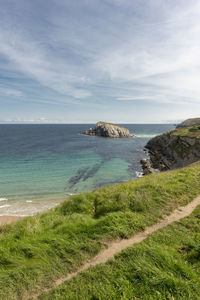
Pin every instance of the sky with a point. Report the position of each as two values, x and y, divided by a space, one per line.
81 61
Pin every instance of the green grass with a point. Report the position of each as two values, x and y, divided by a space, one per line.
164 266
37 250
192 132
106 123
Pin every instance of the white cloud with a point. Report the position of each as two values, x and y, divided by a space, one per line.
11 92
130 50
33 60
161 57
29 120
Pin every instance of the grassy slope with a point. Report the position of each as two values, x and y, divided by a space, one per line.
165 266
193 132
106 123
40 249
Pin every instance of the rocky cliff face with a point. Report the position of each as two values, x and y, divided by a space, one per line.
146 166
175 149
108 130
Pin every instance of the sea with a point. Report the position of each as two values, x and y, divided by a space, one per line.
42 165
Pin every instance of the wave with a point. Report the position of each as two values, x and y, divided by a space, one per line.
14 215
6 205
139 174
146 135
3 199
29 201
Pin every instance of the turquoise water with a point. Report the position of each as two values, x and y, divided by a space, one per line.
41 165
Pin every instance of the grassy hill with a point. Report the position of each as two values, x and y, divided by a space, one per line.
189 123
165 266
38 250
191 132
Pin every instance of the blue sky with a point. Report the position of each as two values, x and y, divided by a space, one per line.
82 61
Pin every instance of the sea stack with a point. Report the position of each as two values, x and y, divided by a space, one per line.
109 130
146 166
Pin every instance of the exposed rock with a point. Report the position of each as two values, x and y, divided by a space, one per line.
175 149
189 122
146 166
108 130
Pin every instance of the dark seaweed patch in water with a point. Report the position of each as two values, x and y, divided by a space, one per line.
91 172
75 179
83 174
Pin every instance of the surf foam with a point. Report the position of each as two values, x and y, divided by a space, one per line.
3 199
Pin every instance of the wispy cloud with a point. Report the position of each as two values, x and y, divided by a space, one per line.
10 92
24 120
163 56
101 51
30 58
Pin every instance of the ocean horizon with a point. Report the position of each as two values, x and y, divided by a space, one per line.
43 164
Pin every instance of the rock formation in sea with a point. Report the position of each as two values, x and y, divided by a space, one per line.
109 130
146 166
175 149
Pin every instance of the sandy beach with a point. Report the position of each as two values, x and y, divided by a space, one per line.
9 219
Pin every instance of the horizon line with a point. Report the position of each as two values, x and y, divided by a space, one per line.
77 123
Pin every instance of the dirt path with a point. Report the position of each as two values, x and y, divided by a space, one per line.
119 245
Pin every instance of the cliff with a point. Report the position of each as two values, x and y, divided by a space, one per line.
108 130
175 149
189 123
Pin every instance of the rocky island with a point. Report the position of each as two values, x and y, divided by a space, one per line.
109 130
177 148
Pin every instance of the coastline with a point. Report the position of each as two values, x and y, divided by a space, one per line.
9 219
23 208
34 181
